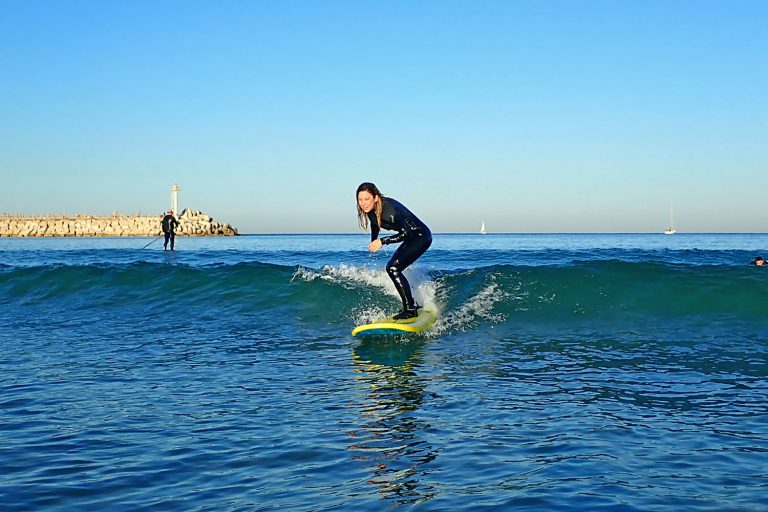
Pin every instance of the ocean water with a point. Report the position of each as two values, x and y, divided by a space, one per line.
565 373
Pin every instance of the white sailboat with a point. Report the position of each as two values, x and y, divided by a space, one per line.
671 229
482 229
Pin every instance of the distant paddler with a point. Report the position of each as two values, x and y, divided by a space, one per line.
169 224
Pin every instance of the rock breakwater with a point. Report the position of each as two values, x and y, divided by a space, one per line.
191 223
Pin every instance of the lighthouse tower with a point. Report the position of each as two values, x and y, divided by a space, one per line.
175 189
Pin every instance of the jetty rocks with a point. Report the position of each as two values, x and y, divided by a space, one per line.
191 223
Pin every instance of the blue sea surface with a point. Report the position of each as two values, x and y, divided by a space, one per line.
565 373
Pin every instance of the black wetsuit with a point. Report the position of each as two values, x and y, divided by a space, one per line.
169 224
415 237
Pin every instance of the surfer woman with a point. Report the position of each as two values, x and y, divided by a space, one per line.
385 212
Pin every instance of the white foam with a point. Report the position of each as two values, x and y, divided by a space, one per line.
478 306
369 315
425 290
349 276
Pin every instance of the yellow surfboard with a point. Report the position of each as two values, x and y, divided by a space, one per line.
389 326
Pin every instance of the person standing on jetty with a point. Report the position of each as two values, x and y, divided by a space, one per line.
169 224
385 212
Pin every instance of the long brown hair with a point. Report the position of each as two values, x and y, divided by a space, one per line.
361 215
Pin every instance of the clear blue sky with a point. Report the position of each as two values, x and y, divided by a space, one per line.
533 116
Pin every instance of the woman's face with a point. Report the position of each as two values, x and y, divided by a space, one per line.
366 201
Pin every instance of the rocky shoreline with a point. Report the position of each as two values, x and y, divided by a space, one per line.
191 223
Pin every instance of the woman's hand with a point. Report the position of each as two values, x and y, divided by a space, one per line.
375 245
